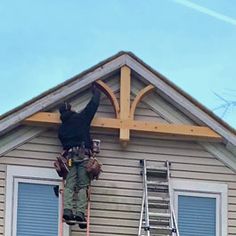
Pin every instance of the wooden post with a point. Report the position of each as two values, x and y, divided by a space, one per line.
125 81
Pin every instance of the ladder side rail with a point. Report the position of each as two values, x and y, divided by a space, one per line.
61 191
147 224
141 214
173 218
88 211
175 223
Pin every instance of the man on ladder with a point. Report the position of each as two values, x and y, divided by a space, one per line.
74 134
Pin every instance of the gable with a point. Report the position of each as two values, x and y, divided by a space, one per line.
165 105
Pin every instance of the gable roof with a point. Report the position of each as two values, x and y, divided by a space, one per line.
187 104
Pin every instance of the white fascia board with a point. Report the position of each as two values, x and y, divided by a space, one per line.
61 93
227 157
183 103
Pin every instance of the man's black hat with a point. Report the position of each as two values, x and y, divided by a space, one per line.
64 107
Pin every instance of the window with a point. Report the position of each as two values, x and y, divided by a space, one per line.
32 207
196 214
200 208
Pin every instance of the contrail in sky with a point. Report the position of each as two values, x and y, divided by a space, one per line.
207 11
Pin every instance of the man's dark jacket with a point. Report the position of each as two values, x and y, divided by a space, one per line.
75 127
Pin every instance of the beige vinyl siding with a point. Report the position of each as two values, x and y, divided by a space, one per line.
2 197
116 196
142 112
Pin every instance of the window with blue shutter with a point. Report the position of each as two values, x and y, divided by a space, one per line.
196 216
37 211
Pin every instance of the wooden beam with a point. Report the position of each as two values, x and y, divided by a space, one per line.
145 91
188 131
43 119
174 129
49 119
125 81
109 93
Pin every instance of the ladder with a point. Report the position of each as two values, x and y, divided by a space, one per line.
157 216
62 209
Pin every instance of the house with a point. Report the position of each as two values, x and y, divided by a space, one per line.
142 116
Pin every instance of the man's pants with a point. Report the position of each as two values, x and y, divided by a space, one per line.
79 177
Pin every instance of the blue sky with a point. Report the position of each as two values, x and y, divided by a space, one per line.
192 42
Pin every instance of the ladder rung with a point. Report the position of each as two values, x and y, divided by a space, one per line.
155 186
158 183
165 221
156 169
161 229
159 205
157 214
76 222
154 199
159 174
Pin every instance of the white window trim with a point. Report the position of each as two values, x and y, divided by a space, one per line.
204 189
17 174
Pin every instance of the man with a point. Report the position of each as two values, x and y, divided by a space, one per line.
74 134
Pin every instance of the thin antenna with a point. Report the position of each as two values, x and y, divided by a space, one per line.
227 104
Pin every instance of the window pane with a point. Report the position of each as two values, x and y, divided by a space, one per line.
196 216
37 212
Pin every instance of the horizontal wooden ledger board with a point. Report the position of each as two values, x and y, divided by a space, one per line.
49 119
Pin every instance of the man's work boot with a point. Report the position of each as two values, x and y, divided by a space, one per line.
81 218
68 215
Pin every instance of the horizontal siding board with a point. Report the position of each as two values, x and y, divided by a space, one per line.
117 184
148 141
232 215
31 154
2 199
115 214
75 233
202 168
232 230
202 176
26 162
118 192
40 147
122 207
158 150
2 191
115 222
136 156
118 157
116 199
101 225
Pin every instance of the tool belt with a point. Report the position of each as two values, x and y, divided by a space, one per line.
77 155
78 152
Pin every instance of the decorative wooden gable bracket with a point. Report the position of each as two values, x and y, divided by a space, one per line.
124 112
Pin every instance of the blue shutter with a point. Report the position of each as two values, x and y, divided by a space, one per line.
196 216
37 213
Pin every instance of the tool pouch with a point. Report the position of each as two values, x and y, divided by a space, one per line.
94 168
61 166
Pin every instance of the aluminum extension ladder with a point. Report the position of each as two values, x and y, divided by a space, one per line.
157 216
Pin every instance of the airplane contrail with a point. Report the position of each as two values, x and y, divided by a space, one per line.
207 11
